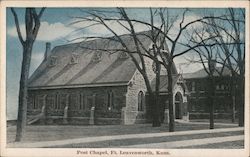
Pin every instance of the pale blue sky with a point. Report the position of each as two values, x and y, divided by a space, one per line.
55 28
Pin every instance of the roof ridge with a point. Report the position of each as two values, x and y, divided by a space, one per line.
86 41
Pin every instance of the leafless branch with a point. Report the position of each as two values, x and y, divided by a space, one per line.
17 26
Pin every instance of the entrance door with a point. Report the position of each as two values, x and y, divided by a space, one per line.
178 105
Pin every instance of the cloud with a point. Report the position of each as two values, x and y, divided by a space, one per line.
187 19
47 31
92 28
59 31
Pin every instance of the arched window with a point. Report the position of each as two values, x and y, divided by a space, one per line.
140 101
110 100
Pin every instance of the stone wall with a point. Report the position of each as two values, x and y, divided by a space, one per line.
137 84
79 102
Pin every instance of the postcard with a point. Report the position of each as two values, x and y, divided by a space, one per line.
124 78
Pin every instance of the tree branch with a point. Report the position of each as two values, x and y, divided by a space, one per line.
41 12
17 26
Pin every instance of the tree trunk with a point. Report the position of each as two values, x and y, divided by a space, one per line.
211 114
23 91
170 95
233 95
233 109
211 95
156 113
241 101
152 104
32 25
156 120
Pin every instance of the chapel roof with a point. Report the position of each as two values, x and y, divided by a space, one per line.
109 68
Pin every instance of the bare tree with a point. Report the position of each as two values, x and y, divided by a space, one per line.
228 32
208 56
164 48
32 25
171 51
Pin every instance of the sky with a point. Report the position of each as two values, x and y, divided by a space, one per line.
56 28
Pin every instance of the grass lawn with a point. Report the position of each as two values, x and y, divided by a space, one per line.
223 145
135 141
228 121
35 133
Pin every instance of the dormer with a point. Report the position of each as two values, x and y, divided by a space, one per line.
53 61
123 55
74 59
97 57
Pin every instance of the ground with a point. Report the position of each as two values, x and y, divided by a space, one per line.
110 136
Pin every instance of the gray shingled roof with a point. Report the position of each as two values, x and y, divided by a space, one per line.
202 73
164 82
110 69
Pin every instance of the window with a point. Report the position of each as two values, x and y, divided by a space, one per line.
140 101
51 101
57 104
198 86
53 61
82 101
35 102
74 101
222 87
62 100
217 87
31 102
166 104
110 100
226 87
39 102
193 86
202 87
74 59
89 104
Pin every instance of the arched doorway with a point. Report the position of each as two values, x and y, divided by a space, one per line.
178 105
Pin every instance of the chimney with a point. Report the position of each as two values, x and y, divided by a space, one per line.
47 51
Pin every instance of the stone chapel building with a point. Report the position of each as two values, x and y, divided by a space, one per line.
81 83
